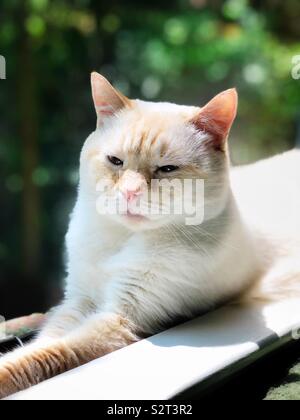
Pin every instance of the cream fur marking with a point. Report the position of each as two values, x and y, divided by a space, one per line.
46 358
130 277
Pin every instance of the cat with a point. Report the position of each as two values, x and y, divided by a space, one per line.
133 274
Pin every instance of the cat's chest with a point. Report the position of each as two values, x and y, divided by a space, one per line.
105 254
117 257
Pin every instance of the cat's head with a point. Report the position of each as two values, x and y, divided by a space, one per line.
141 148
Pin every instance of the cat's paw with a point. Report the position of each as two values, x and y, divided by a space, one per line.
7 384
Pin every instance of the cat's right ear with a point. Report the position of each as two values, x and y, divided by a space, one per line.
107 100
217 117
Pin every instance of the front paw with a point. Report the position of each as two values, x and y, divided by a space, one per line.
8 385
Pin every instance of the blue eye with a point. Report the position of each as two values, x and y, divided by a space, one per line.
115 161
168 169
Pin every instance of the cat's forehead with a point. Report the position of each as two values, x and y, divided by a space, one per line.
166 109
150 128
161 116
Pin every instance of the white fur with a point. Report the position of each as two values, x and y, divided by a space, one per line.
159 272
155 271
154 276
268 199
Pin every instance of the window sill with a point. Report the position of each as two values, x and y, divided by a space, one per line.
180 362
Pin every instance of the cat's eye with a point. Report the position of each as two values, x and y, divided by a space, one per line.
115 161
168 169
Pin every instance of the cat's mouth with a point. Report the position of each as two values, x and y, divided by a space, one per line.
135 217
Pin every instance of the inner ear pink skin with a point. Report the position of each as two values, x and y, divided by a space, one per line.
107 100
217 117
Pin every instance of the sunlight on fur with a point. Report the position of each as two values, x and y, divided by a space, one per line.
135 274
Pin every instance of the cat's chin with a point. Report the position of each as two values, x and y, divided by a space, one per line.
140 223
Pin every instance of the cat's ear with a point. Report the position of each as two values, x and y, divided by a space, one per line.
107 100
217 117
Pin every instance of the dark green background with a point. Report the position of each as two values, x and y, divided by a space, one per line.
183 51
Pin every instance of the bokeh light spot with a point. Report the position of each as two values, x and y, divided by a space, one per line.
176 31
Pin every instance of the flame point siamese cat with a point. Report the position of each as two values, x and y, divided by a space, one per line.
131 275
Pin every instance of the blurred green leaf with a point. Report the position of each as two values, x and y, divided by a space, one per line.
36 26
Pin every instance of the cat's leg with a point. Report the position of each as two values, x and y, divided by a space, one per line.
65 318
60 322
100 335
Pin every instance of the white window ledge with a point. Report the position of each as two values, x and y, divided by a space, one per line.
197 353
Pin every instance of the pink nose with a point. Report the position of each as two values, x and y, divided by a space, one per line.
132 195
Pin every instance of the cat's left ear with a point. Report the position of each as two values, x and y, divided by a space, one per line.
107 100
217 117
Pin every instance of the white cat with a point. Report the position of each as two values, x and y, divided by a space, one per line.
131 275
